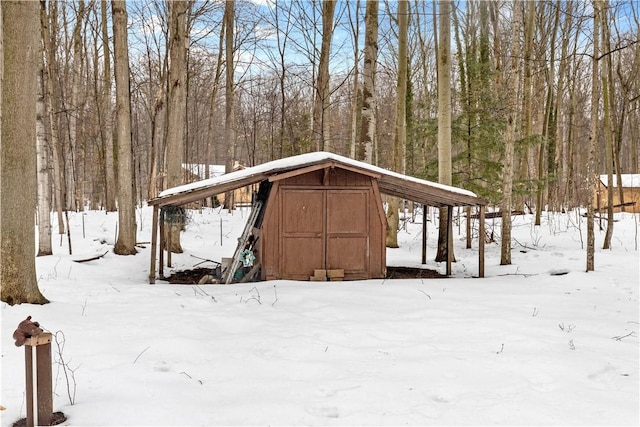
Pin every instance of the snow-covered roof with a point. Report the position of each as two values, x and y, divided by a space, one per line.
629 180
389 182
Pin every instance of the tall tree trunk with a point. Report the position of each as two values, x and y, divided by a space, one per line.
52 90
562 143
321 100
44 189
229 118
524 174
107 111
549 179
158 121
355 32
592 178
444 123
20 53
176 125
368 135
282 36
211 152
126 242
74 109
400 137
424 55
513 80
607 96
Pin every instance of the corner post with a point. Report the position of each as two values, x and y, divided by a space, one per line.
449 238
481 242
154 245
163 245
424 234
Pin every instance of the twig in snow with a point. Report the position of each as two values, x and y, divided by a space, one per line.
69 374
276 294
519 274
535 312
501 349
428 296
570 327
619 338
202 290
138 357
200 381
253 296
525 246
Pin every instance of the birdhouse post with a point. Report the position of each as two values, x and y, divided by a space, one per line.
37 353
38 374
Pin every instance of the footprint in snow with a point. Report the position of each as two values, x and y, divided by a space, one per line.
161 367
324 411
439 398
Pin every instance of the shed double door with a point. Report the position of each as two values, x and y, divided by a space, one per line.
324 229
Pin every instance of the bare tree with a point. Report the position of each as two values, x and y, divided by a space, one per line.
52 90
354 23
368 133
400 135
215 88
74 108
20 53
106 128
606 76
229 121
513 85
177 92
591 178
177 108
125 245
445 248
321 100
282 37
44 188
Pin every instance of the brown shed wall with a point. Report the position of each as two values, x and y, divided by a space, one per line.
631 195
329 219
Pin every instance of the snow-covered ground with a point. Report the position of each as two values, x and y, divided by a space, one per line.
523 346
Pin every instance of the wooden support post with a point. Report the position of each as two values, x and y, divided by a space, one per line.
169 236
38 376
424 234
154 245
481 243
449 238
469 229
162 246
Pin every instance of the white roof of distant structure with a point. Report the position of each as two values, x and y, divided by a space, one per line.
629 180
199 169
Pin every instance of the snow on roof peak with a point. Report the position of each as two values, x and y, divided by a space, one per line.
301 160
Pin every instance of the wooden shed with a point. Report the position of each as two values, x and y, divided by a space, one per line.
318 211
630 189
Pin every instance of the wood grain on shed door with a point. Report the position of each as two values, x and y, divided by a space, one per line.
303 233
348 232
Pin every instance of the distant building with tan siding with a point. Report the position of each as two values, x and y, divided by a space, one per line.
630 193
